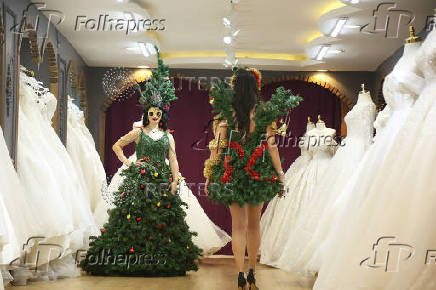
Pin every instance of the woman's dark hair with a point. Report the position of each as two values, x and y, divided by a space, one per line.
163 123
245 98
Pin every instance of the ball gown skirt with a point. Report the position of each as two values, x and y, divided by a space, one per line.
400 203
281 213
210 237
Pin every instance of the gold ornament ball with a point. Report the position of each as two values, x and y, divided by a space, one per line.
169 240
128 216
158 204
156 174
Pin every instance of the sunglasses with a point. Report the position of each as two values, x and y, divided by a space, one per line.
152 114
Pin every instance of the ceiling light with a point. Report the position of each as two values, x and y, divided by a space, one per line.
226 22
354 1
150 48
120 1
227 39
322 70
143 49
143 66
339 24
352 26
132 48
128 16
322 52
336 51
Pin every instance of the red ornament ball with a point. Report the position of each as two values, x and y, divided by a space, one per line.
168 206
142 186
156 163
149 238
132 250
122 195
160 226
103 231
138 219
171 179
143 171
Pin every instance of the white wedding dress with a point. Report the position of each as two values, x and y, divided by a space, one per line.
81 148
288 240
52 185
400 200
281 213
314 225
210 237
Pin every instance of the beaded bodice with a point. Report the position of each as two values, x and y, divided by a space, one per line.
156 150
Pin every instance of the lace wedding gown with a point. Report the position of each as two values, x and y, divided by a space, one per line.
210 237
289 240
400 202
281 213
81 148
47 172
315 225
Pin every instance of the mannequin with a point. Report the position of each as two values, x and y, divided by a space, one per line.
321 135
364 96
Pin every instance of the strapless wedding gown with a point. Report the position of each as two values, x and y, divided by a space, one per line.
47 172
291 240
81 148
400 203
210 237
281 213
317 222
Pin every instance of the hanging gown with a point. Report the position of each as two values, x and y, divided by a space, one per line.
81 148
322 154
317 222
400 202
210 237
281 213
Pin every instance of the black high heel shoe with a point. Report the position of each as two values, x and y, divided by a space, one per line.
251 280
241 281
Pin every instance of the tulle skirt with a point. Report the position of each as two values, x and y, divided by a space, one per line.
281 213
397 207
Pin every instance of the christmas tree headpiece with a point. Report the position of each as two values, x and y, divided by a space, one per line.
159 90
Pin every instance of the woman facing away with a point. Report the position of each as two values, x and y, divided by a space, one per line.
244 168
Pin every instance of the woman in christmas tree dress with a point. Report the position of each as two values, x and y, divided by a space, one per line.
146 234
244 168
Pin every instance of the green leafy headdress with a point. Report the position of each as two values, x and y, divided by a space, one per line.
159 90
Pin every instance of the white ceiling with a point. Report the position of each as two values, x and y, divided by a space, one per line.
275 30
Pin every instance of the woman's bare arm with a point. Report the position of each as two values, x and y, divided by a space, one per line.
274 151
125 140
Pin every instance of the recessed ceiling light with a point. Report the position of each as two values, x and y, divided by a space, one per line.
336 51
322 52
322 70
354 1
339 24
227 39
132 48
143 66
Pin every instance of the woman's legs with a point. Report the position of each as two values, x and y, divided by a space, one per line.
253 233
239 234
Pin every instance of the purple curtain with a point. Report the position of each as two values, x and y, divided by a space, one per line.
190 118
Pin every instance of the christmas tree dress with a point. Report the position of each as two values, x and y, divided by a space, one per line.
146 234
